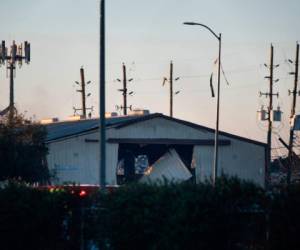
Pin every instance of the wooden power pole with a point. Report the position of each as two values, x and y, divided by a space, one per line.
124 90
269 138
83 94
270 94
171 80
171 89
293 111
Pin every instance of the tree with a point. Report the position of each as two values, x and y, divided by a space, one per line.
23 151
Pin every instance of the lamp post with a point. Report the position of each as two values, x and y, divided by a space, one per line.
216 151
102 135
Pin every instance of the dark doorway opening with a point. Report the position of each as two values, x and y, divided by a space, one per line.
133 157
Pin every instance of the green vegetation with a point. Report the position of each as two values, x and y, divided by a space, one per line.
231 215
185 216
23 152
37 220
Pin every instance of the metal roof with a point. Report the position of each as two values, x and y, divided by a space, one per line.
63 129
69 128
189 124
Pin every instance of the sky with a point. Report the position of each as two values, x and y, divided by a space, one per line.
146 36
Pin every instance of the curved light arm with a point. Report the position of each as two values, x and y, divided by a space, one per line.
200 24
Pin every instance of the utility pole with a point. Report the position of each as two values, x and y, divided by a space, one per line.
171 89
216 149
83 94
124 90
102 134
270 94
11 67
269 138
11 58
171 80
293 110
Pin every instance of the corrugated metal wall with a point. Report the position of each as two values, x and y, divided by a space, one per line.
74 159
240 158
159 128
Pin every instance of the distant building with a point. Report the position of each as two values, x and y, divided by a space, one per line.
137 143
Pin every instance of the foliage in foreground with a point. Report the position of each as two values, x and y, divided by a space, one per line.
23 152
231 215
38 220
184 216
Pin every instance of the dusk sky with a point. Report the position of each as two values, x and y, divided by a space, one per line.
146 35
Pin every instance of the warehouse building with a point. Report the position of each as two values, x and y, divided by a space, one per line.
148 148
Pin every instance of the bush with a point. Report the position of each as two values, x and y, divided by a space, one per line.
184 216
34 219
285 218
23 152
232 215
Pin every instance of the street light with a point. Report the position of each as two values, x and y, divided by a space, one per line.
216 151
102 135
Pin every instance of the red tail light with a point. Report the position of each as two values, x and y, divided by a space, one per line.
82 193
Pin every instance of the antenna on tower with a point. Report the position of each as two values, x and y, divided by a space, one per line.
10 56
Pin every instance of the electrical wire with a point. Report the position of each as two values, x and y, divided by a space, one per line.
225 78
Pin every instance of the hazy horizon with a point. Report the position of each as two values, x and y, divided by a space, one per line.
146 36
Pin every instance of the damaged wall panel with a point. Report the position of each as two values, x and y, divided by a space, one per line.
202 161
129 153
169 167
111 162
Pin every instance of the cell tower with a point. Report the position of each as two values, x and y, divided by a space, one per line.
10 57
83 95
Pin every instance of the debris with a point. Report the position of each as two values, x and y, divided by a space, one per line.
167 168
